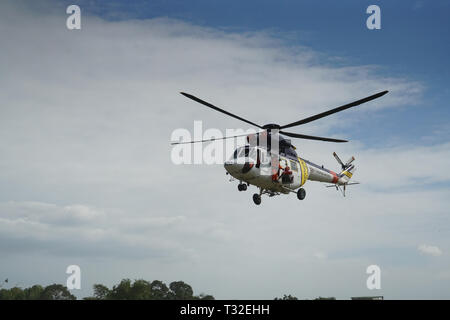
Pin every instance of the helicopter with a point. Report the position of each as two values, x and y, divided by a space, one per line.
270 162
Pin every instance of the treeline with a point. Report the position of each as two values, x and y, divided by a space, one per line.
144 290
125 290
37 292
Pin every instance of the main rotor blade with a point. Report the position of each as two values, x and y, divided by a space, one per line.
214 139
218 109
338 109
304 136
338 160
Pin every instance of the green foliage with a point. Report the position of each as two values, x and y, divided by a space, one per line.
57 292
34 293
12 294
159 290
125 290
181 291
141 290
144 290
101 292
121 291
37 292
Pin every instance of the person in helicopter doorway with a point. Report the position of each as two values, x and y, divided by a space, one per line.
283 172
286 175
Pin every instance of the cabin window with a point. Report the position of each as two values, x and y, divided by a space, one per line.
294 166
264 157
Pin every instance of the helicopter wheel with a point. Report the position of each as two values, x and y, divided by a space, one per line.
242 187
257 199
301 194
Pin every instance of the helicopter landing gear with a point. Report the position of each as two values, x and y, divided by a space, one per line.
301 194
257 199
242 187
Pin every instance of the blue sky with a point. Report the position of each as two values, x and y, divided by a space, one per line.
413 44
412 40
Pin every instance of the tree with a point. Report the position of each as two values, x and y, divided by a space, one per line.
57 292
121 291
34 293
181 291
101 292
141 290
159 290
145 290
15 293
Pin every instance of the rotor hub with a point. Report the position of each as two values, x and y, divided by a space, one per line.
272 126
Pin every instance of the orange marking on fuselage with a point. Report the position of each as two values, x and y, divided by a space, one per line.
335 177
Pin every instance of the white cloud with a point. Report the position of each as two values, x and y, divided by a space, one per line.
320 255
429 250
60 230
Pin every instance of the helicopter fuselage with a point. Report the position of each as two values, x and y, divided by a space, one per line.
256 166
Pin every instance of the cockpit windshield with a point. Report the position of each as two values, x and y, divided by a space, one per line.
256 154
239 152
247 152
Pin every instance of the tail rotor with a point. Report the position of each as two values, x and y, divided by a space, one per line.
346 174
343 165
349 161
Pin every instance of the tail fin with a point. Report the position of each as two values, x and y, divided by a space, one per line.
347 168
347 173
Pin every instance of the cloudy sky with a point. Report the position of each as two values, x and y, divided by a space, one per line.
86 117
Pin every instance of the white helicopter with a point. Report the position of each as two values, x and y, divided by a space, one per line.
269 161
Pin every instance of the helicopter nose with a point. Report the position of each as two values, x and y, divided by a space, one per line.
233 167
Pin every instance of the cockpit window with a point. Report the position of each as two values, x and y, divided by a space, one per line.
238 153
246 151
252 153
